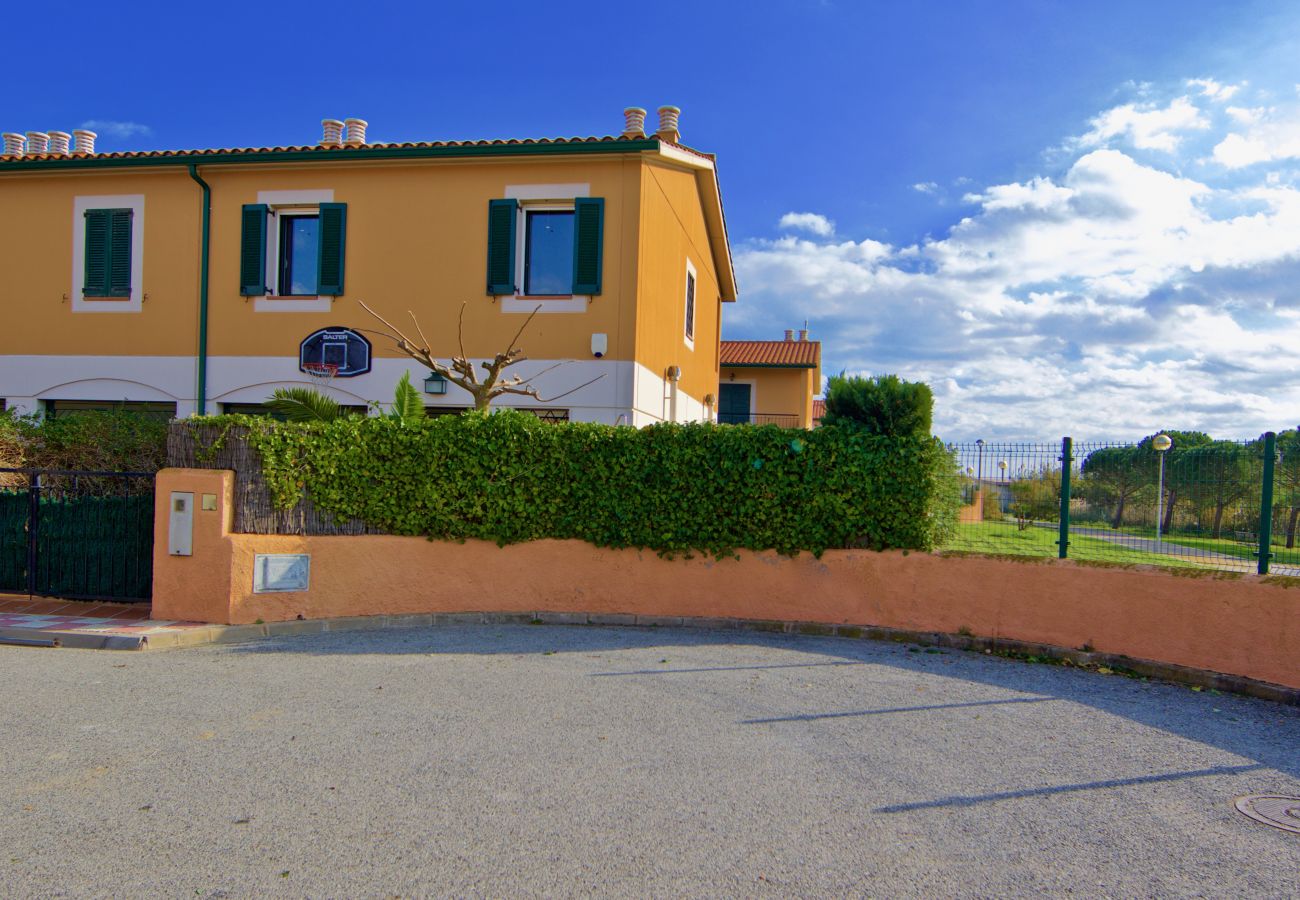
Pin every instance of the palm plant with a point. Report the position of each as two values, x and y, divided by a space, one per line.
300 404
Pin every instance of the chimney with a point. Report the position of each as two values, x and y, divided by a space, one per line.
789 334
14 144
668 124
59 143
356 128
634 122
803 334
83 141
38 143
332 132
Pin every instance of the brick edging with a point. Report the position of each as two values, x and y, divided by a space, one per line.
1235 684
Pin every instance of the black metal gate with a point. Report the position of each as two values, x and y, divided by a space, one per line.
77 535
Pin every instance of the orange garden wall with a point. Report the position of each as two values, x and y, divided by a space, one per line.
1238 626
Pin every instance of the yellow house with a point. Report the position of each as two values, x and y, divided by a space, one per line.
199 281
770 382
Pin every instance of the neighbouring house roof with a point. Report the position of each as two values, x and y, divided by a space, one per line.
772 354
819 410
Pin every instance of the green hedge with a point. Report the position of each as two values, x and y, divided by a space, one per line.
508 477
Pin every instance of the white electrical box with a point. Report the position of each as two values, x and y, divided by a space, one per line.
180 524
277 572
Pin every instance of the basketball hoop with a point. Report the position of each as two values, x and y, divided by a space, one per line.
322 372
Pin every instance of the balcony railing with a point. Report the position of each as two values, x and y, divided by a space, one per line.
785 420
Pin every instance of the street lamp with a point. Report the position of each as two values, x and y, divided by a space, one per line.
1162 442
979 472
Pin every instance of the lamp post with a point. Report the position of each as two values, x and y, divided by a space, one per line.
1161 442
979 465
1002 489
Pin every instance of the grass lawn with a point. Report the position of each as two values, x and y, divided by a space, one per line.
1005 537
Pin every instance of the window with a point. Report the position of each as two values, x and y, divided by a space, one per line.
107 271
299 252
548 251
292 250
690 305
562 247
107 253
153 409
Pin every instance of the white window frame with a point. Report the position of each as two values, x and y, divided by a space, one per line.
688 308
282 203
536 198
133 303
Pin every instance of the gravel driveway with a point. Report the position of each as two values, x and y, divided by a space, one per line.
502 760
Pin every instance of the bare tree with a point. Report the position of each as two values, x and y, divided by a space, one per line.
462 373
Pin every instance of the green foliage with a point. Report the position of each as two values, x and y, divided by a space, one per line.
300 404
884 405
1037 496
507 477
407 405
109 440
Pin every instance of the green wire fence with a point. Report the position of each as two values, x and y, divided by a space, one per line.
1195 502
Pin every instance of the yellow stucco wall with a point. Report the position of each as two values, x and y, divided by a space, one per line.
673 231
777 391
416 240
36 232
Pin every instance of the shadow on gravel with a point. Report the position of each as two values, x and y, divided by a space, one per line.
1257 730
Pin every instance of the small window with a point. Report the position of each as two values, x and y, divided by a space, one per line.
108 253
689 329
548 252
152 409
554 416
299 261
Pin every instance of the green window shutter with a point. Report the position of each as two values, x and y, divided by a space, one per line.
501 246
119 252
95 283
588 244
252 250
333 243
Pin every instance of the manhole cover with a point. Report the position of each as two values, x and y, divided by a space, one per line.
1272 809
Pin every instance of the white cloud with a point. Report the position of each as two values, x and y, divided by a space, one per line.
1109 298
1267 134
926 187
1145 125
812 222
118 130
1215 90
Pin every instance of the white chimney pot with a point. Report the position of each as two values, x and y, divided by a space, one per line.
14 143
83 141
59 143
356 132
668 131
634 122
789 334
332 132
38 143
803 334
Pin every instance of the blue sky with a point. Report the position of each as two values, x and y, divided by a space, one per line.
1066 217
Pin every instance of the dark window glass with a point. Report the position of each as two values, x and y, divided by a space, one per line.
690 306
299 255
548 256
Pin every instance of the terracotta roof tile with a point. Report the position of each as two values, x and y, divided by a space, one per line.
819 410
253 151
806 354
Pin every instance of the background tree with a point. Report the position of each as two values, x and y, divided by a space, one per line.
1286 480
1116 475
1218 475
882 404
1036 496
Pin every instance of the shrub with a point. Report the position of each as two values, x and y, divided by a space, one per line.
507 477
111 440
884 405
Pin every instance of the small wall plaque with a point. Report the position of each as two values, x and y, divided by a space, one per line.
279 572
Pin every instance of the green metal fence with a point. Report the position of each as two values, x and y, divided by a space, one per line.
1197 502
77 535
